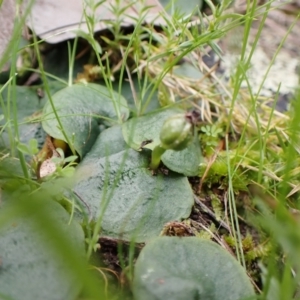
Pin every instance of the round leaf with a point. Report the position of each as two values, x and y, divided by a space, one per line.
132 203
30 268
185 162
81 108
109 142
187 69
28 107
147 128
188 268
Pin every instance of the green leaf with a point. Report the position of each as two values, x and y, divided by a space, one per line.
108 143
142 94
81 108
188 268
186 161
30 149
28 106
181 6
187 69
30 266
10 168
119 188
33 146
147 128
24 148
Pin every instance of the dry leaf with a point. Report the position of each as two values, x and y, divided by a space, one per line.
48 167
7 13
58 20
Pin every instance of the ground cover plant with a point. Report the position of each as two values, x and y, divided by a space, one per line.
132 166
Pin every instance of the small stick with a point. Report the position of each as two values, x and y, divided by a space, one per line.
211 213
85 204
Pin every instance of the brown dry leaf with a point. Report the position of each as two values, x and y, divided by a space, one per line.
43 160
7 13
58 20
45 165
48 167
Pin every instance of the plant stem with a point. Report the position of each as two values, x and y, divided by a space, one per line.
157 152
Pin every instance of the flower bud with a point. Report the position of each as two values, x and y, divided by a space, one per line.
176 133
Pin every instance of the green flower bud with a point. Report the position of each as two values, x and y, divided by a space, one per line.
176 133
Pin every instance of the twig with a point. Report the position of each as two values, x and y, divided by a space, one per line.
211 160
85 204
211 213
